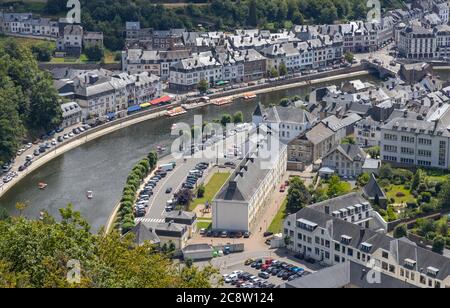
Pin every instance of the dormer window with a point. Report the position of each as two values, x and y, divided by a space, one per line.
366 247
410 263
345 239
432 271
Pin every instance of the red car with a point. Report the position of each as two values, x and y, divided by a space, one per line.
269 261
265 266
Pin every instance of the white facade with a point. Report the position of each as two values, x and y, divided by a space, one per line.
239 212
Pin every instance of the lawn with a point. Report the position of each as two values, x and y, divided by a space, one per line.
395 189
26 42
204 225
276 225
211 189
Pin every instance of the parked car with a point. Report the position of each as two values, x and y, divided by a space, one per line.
267 234
224 234
264 275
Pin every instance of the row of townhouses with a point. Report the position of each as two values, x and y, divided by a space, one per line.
102 94
70 38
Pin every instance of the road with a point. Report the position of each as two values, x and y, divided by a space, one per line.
213 154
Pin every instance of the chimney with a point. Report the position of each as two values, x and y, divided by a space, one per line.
327 209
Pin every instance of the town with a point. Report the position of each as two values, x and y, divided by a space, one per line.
321 159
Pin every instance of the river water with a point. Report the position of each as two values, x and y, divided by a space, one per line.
103 164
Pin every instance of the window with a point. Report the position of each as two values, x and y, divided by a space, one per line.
350 252
407 139
337 247
385 255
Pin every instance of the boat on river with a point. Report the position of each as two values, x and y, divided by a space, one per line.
89 194
42 186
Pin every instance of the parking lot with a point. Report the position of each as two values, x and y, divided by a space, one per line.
263 273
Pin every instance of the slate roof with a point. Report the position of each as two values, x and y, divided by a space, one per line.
336 124
341 202
401 249
351 151
319 133
347 274
279 114
143 234
373 189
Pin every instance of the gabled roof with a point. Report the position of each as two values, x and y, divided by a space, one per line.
373 189
351 151
143 234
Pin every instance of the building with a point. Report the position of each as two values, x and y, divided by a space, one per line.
346 160
374 193
413 142
172 233
288 121
71 114
26 24
368 132
255 64
332 241
93 39
184 218
311 146
143 234
248 190
347 275
71 43
187 73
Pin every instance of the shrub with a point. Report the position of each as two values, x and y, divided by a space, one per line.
425 197
399 194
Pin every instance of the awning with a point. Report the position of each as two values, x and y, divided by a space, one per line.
134 108
111 115
161 100
145 105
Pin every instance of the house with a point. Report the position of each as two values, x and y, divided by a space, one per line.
342 127
255 64
172 233
368 132
332 241
311 146
71 43
346 160
248 190
289 122
183 218
71 114
143 234
93 39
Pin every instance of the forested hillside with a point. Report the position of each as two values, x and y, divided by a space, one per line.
29 104
110 16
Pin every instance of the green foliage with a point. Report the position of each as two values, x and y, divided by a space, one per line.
43 52
35 254
226 119
336 187
282 70
201 191
298 196
349 57
400 231
348 140
94 53
29 103
273 73
374 152
238 117
363 179
438 244
203 86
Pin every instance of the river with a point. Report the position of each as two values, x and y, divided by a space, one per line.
103 164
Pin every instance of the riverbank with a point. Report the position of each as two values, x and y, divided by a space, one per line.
153 114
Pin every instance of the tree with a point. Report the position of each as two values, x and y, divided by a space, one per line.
201 191
298 195
152 159
348 140
203 86
438 244
238 117
417 179
184 197
43 52
363 179
273 73
386 171
35 254
282 70
226 119
336 187
94 53
400 231
285 102
349 57
444 195
374 152
252 14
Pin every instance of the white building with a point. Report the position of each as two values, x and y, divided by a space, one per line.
346 160
289 122
368 132
331 241
71 114
186 74
423 143
248 190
